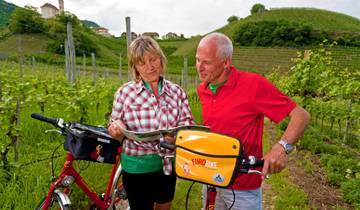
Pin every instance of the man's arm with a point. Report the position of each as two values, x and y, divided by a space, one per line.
275 159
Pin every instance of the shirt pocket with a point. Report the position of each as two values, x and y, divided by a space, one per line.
169 115
140 118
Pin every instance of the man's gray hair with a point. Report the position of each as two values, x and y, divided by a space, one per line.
224 44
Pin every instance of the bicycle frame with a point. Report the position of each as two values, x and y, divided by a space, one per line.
69 170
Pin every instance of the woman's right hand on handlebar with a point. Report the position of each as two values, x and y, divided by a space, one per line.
116 129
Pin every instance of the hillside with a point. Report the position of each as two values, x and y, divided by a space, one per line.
30 43
261 59
5 11
327 21
41 43
264 59
90 24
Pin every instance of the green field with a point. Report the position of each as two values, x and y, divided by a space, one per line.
26 179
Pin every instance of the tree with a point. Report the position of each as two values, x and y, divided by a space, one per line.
276 33
232 18
257 8
26 21
29 7
83 40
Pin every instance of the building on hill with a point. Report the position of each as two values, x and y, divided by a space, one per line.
171 35
133 35
103 31
153 35
48 11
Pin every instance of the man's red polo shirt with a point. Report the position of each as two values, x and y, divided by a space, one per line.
238 108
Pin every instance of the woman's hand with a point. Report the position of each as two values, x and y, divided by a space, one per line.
169 139
116 129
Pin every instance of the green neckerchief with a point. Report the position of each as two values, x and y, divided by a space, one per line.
147 85
214 87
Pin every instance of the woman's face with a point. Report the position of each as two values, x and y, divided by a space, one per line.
150 69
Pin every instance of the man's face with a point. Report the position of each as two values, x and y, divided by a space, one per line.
209 67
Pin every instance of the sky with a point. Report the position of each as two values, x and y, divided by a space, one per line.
188 17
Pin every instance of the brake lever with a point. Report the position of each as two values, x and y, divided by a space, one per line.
250 171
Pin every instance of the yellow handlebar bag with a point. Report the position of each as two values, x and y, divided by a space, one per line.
207 157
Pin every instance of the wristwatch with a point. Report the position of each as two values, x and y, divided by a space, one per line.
288 147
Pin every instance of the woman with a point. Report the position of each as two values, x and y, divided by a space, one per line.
147 103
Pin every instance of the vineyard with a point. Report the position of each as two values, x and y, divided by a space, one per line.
328 91
264 59
331 94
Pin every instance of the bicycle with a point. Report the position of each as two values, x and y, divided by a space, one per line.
213 163
84 142
211 159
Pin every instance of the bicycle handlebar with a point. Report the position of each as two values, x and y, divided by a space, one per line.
70 127
167 145
40 117
258 163
55 122
250 163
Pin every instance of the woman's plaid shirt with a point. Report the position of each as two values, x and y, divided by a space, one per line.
141 111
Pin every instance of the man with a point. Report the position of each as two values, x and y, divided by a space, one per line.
234 103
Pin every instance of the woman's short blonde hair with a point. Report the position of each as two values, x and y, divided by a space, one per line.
136 53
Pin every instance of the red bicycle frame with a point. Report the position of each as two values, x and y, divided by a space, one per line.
69 170
210 198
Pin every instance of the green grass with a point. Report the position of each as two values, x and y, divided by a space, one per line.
194 201
188 48
30 43
288 195
171 42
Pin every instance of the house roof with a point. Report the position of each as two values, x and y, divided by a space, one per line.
102 28
171 33
49 5
150 34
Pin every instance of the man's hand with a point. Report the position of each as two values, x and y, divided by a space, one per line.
275 160
116 129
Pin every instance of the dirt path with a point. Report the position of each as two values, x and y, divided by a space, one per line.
320 194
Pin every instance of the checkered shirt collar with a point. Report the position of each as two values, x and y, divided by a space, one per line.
140 86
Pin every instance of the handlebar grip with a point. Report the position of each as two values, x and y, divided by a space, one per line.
45 119
167 145
258 163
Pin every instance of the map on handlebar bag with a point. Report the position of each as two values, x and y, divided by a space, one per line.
157 134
